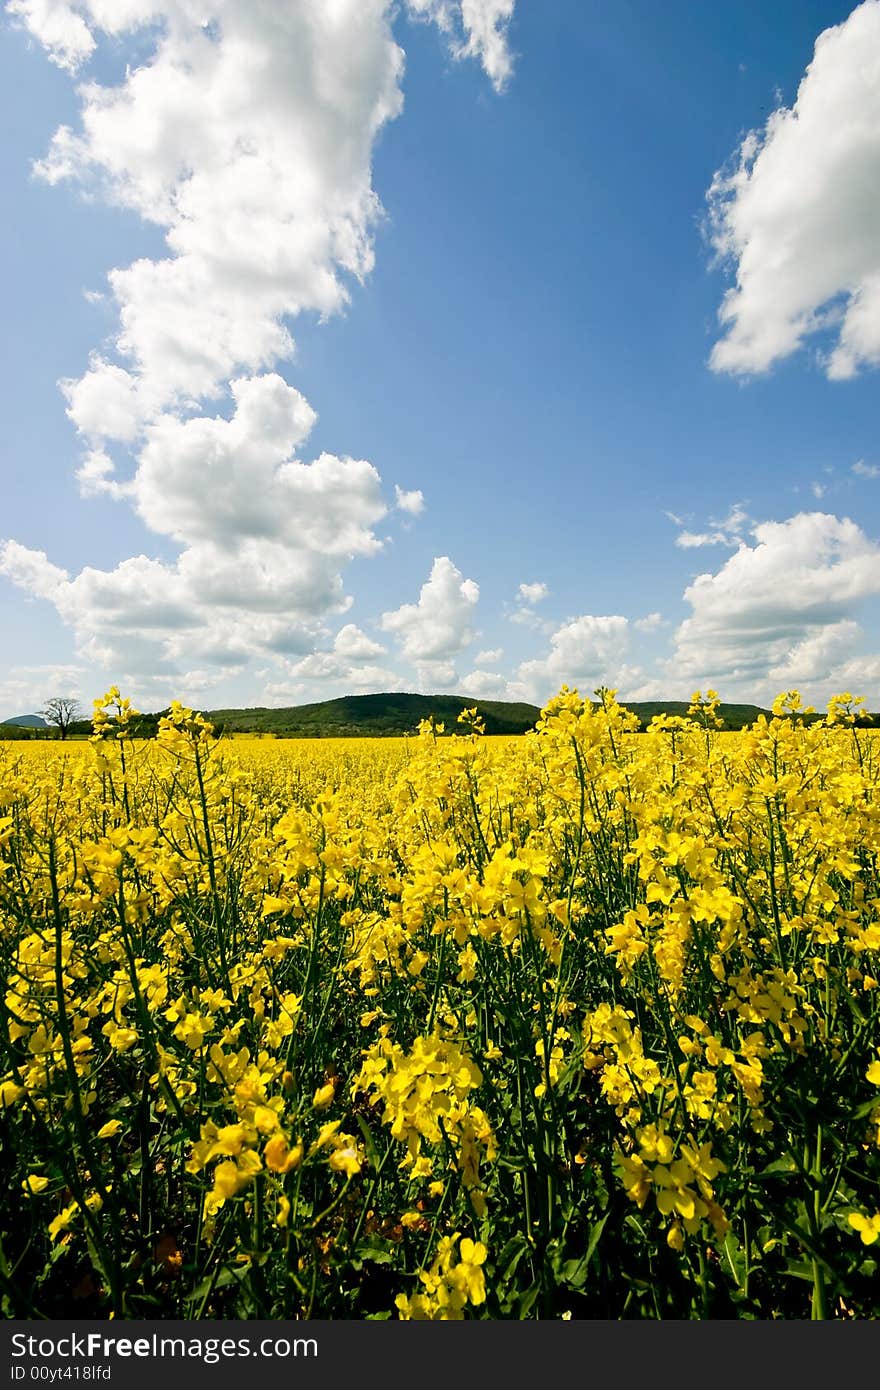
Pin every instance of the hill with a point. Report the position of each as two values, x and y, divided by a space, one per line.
382 715
398 713
386 715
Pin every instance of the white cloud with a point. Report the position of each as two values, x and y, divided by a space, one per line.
249 141
727 531
475 29
798 214
265 538
412 502
354 645
219 481
777 604
813 657
866 470
818 490
245 132
532 593
490 656
62 32
485 685
351 664
25 689
95 476
649 623
247 135
585 652
432 632
692 540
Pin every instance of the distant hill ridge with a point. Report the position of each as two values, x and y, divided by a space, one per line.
390 713
397 712
387 714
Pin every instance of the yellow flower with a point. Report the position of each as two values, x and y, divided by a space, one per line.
868 1227
62 1221
346 1158
279 1158
324 1096
111 1128
472 1255
34 1184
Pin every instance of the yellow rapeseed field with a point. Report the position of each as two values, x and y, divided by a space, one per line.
578 1024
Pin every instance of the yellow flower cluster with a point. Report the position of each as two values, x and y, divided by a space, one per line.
300 1013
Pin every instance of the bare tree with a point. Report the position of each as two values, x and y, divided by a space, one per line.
61 711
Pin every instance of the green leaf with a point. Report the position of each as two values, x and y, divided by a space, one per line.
780 1167
527 1302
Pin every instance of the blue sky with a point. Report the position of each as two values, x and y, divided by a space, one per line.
518 368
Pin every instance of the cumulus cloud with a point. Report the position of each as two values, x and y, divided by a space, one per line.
62 32
649 623
490 656
245 133
584 653
412 502
485 685
264 536
532 593
797 215
784 603
475 29
432 632
351 664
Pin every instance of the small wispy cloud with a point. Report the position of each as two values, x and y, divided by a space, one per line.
728 531
866 470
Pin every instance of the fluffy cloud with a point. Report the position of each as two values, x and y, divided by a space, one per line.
532 593
264 539
350 664
216 480
432 632
778 607
247 135
245 132
475 29
412 502
798 214
585 652
62 32
649 623
485 685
